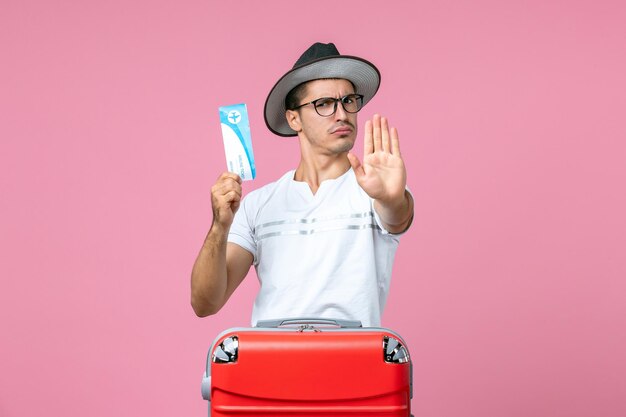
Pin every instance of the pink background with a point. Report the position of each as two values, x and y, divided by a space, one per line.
509 289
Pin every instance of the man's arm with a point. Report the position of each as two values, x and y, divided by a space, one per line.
382 175
220 266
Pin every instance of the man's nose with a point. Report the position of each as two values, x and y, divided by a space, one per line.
340 113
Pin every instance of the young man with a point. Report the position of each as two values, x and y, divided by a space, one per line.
322 237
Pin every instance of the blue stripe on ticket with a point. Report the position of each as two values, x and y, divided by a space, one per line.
237 141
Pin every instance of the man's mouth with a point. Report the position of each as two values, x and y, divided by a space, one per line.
341 130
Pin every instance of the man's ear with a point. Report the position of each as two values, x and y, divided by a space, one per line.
293 118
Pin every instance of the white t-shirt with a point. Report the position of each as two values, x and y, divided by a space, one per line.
321 255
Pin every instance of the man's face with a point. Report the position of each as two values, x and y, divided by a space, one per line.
332 134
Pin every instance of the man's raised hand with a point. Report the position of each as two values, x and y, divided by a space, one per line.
382 175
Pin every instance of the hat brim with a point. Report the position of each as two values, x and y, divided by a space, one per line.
364 76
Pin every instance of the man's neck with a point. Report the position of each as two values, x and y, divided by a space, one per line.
314 171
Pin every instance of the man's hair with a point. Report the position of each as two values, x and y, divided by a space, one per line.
296 94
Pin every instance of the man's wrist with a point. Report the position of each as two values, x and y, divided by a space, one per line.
394 204
398 213
218 232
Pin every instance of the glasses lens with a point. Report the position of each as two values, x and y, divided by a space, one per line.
352 103
325 106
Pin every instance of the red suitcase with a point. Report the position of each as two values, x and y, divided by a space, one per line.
297 367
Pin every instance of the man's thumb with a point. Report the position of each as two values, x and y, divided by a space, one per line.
356 165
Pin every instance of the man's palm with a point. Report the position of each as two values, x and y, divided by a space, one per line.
382 175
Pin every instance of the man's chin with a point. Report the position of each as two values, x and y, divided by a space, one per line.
345 146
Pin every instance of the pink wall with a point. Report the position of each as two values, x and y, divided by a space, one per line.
509 288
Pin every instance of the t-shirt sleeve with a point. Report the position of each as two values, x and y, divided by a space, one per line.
379 222
242 230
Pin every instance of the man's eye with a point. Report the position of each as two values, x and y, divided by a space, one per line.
325 103
348 99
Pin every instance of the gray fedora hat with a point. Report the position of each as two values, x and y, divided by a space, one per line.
319 61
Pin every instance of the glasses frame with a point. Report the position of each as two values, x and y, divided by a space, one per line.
359 97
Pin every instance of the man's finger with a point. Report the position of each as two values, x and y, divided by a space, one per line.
384 127
395 142
232 196
377 135
228 190
224 187
231 176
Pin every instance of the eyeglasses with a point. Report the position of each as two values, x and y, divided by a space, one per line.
327 106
